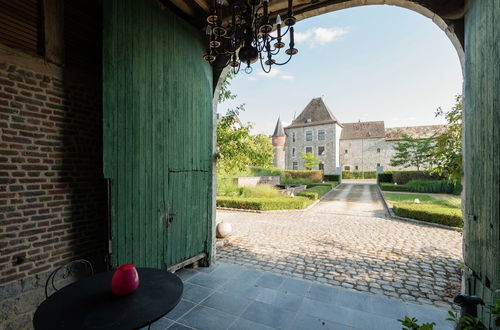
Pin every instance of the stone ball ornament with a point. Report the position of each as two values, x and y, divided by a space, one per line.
224 229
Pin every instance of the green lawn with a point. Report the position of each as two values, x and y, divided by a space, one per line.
444 210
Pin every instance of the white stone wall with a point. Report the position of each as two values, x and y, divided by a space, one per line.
300 144
364 154
279 157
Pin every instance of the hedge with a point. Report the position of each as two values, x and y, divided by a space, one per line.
424 186
316 176
402 177
315 192
332 177
429 212
324 184
264 204
384 177
393 187
359 174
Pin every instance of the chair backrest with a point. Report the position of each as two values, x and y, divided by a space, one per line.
79 267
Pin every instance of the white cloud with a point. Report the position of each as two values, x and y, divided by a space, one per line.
276 73
252 78
319 36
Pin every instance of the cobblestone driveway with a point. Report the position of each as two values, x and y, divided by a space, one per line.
345 240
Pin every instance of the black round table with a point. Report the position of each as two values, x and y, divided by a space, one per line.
89 303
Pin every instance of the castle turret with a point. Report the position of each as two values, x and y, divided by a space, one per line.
279 141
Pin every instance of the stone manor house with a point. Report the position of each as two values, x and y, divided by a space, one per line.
361 146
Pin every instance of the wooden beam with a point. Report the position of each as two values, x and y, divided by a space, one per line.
204 4
53 21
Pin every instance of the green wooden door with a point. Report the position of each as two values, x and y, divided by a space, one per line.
187 213
157 134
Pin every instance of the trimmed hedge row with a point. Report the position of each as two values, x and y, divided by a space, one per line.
393 187
332 177
359 174
315 192
402 177
264 204
324 184
429 212
384 177
424 186
316 176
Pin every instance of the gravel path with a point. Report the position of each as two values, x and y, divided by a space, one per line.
347 241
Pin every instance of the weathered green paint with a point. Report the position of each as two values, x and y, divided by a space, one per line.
157 134
482 151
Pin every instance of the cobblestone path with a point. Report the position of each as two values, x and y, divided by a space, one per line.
347 241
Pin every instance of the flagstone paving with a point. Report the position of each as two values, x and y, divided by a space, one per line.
347 241
226 296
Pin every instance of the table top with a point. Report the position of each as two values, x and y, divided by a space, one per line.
89 303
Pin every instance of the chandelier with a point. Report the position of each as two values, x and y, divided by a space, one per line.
241 33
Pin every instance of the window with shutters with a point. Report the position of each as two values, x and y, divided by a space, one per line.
21 25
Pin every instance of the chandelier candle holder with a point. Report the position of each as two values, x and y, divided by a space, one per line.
240 32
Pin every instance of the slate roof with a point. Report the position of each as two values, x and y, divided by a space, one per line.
363 130
315 113
421 132
279 131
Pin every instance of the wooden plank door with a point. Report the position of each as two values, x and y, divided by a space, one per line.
187 229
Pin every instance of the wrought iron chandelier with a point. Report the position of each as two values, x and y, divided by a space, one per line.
241 32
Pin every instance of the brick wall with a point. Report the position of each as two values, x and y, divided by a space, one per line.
52 196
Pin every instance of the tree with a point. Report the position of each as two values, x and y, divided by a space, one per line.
309 160
412 152
447 153
224 92
238 149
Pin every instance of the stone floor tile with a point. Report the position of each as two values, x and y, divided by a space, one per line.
367 321
297 287
195 293
161 324
227 303
305 322
204 318
182 308
242 324
269 315
208 280
326 311
322 293
270 281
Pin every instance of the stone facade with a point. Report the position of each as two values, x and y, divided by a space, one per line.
298 145
361 146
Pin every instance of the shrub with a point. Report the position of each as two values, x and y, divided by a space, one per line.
264 204
402 177
297 181
261 190
315 192
393 187
331 177
327 184
259 171
316 176
431 213
359 174
384 177
430 186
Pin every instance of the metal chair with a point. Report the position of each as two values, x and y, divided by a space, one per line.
74 267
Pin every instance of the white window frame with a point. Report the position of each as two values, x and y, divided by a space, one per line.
312 136
295 165
293 153
324 151
324 135
312 150
293 137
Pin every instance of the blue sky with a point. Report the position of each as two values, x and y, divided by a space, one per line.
369 63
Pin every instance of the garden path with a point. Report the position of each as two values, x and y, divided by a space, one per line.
346 240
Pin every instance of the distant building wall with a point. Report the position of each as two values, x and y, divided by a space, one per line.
367 154
329 143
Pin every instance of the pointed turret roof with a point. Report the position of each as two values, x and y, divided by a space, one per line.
315 113
279 131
